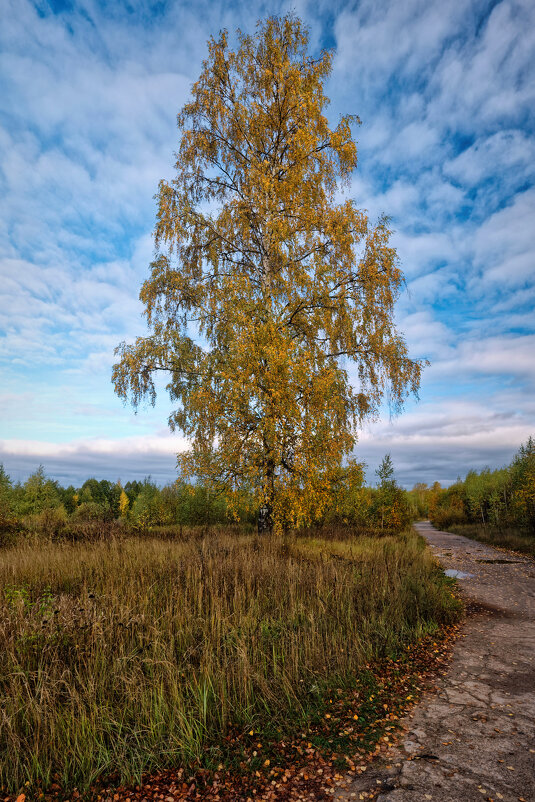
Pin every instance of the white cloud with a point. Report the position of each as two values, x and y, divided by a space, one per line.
426 336
500 155
421 252
379 40
163 443
440 442
504 245
87 128
482 80
111 458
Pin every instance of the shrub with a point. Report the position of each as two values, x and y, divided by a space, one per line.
92 511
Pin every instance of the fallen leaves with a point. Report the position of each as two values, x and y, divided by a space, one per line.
308 764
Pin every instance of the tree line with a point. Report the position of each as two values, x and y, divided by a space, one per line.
501 499
43 504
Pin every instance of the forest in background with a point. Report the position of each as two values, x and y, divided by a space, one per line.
41 504
492 505
497 507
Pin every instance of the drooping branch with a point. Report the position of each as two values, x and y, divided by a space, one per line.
265 287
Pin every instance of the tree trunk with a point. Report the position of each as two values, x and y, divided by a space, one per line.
265 513
265 520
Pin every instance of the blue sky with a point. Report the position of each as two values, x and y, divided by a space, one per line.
89 94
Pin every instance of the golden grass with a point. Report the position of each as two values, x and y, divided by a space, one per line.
138 653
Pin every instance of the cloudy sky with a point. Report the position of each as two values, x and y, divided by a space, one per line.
89 93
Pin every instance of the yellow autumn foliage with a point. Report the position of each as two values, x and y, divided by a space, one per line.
270 300
124 503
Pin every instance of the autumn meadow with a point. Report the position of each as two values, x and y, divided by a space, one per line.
272 608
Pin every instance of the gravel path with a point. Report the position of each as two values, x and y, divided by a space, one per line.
474 739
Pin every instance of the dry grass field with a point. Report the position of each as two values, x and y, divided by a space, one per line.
135 653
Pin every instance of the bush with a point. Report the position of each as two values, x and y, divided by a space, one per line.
49 521
92 511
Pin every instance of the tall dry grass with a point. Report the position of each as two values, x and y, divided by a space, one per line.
137 653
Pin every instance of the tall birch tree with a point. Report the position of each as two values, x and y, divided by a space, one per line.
270 300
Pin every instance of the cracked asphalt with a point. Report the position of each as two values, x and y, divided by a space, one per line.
473 738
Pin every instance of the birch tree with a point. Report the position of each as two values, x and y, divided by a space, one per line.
270 300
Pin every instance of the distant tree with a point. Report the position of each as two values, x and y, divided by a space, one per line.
264 283
419 496
124 503
104 493
132 490
93 490
385 473
6 485
147 508
391 506
109 493
523 482
92 511
6 499
85 494
69 498
39 493
475 496
351 500
113 496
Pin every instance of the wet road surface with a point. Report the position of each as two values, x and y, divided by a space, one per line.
473 739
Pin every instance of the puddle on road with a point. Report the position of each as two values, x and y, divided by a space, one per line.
454 574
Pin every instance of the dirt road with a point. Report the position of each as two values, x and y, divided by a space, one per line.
475 738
